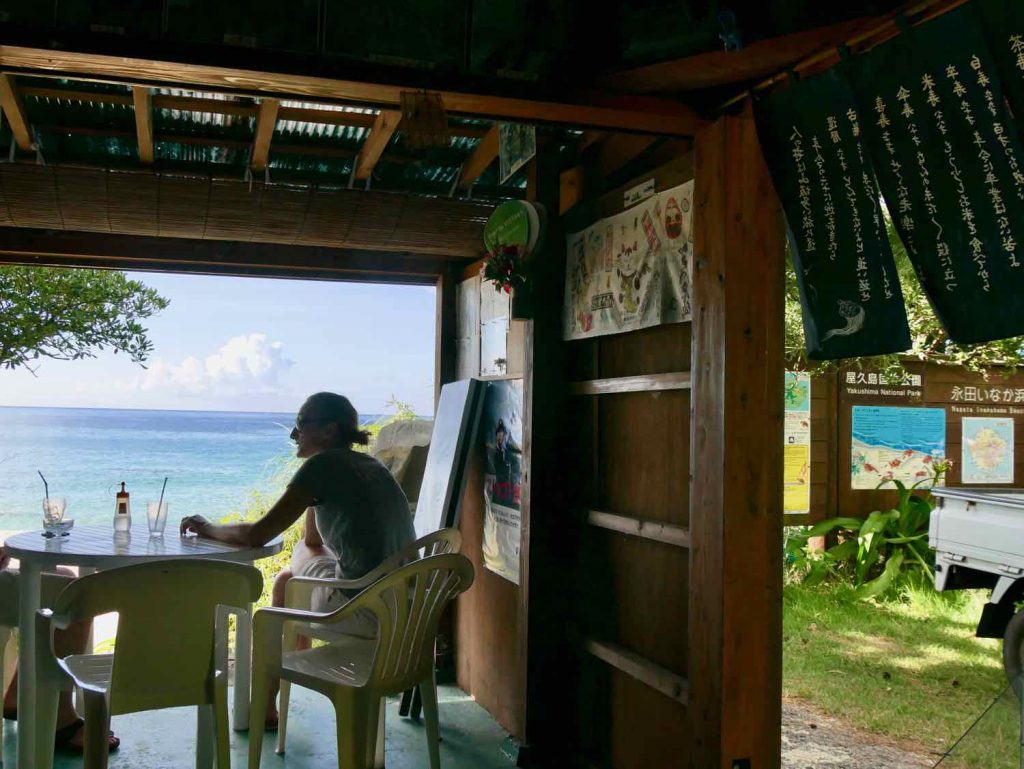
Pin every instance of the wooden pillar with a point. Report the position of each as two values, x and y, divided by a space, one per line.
735 628
444 332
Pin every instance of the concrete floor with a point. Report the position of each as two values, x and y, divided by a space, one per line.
165 739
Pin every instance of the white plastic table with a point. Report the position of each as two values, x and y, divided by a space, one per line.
98 548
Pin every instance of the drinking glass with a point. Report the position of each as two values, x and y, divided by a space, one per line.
156 516
53 515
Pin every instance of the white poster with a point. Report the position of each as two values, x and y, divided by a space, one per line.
987 453
796 451
631 270
502 430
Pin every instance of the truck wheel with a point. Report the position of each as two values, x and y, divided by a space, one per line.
1013 651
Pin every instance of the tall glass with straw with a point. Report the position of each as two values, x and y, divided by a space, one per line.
53 510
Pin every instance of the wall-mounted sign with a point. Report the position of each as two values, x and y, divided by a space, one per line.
796 450
513 223
517 144
639 193
632 270
849 291
892 443
987 450
951 169
881 385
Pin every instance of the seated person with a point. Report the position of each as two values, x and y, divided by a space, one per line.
70 734
356 513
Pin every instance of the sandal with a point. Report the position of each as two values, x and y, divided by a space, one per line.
62 738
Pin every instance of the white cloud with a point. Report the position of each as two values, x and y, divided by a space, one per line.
246 364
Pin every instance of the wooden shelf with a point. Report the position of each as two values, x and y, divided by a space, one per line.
676 380
640 527
665 681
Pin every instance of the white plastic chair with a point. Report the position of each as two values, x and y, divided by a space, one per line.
299 592
357 673
170 650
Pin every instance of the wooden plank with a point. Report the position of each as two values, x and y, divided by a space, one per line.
14 110
643 670
143 100
30 246
384 127
485 153
265 122
735 626
445 331
640 527
677 380
718 68
620 149
596 110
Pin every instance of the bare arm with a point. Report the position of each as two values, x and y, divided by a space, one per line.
278 518
310 532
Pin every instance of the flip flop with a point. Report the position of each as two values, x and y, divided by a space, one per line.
62 738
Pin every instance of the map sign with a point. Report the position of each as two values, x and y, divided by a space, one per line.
987 450
631 270
796 451
895 444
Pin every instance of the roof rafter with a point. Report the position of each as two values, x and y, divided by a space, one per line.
485 153
384 128
266 119
14 109
143 99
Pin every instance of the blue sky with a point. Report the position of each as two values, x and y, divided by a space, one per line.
254 344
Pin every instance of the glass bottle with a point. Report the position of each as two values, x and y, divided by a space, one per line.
122 511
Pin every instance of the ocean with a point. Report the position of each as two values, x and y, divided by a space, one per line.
214 460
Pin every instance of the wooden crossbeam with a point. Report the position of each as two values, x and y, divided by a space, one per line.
143 99
384 127
14 109
661 679
590 110
265 122
485 153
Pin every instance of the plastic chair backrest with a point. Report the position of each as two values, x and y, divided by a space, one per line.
438 542
164 649
408 604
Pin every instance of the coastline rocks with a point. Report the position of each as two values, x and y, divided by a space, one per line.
402 448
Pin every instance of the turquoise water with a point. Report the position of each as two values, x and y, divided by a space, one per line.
214 461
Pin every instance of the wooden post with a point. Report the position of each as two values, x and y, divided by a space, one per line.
735 627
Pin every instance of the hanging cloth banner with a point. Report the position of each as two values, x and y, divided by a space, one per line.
949 164
849 291
1003 21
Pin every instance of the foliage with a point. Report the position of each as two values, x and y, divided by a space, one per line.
403 411
930 341
506 267
873 552
48 312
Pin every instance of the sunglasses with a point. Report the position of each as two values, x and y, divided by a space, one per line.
301 422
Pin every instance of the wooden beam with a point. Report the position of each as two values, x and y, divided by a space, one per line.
265 122
615 152
735 607
143 99
643 670
676 380
215 257
14 110
640 527
600 110
720 68
384 127
485 153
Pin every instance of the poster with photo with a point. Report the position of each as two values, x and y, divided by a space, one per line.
631 270
987 450
796 450
895 443
501 428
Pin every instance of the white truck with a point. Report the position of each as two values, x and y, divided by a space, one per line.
978 538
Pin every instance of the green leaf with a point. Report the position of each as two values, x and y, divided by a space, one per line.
884 581
822 528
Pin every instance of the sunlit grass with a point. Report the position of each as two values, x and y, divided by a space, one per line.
908 669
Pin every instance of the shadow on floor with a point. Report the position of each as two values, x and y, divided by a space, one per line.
165 739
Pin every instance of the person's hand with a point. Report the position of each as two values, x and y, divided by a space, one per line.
4 557
194 523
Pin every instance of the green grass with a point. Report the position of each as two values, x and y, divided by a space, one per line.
908 669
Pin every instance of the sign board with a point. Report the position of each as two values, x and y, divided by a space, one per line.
517 144
513 223
895 443
849 291
987 451
796 450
